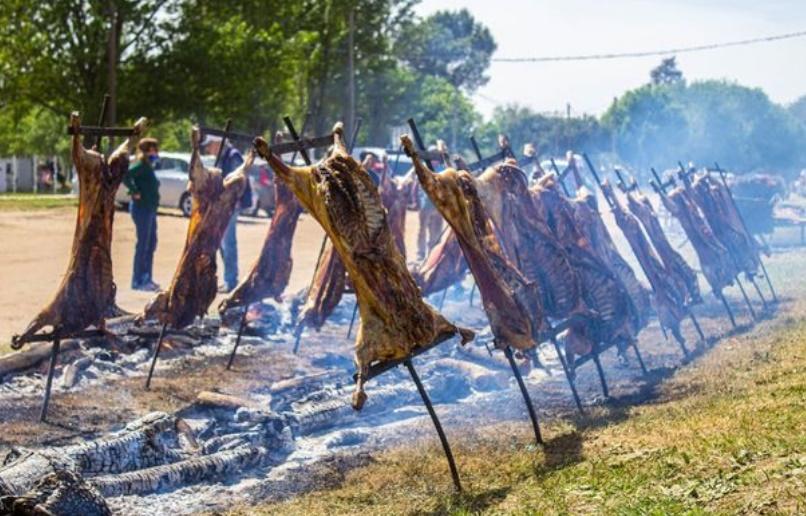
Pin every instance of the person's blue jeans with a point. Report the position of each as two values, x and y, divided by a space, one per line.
145 224
229 252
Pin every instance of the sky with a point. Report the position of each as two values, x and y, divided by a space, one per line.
536 28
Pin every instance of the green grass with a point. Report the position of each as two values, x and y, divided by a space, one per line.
726 435
31 202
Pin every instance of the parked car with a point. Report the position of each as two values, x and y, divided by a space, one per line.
172 173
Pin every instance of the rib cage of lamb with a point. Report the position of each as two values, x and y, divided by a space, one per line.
194 284
271 271
715 261
679 271
511 302
325 291
86 294
669 300
341 196
443 266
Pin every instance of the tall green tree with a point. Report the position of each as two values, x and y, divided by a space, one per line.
666 72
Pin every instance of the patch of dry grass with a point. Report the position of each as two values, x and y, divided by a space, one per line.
727 434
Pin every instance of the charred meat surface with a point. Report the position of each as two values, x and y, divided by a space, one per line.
715 261
679 271
87 291
194 284
271 271
668 299
341 196
512 303
326 290
444 266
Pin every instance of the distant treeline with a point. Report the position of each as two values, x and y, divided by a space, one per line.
184 61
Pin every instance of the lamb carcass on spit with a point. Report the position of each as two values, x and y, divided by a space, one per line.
341 196
86 294
395 196
715 204
511 302
444 266
715 261
679 271
669 300
326 290
194 284
272 269
602 290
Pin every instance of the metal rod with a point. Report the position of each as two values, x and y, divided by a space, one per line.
600 372
101 121
352 319
54 355
638 356
298 336
304 128
758 291
696 325
746 299
220 152
721 296
596 177
568 377
419 141
560 177
680 340
446 447
529 406
472 293
475 146
238 337
442 300
295 136
744 225
156 355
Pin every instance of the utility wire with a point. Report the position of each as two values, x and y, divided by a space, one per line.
681 50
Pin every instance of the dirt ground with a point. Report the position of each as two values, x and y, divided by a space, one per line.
36 247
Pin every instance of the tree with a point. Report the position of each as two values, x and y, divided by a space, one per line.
451 45
666 72
798 109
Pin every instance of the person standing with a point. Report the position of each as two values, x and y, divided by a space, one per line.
231 159
144 189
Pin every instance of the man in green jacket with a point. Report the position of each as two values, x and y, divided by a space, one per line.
144 189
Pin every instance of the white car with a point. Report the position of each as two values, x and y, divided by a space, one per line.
172 173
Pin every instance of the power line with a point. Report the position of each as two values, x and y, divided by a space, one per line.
681 50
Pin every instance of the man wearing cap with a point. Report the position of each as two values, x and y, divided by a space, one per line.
231 159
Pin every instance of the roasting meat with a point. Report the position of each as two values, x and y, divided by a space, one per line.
714 202
590 223
680 273
668 299
395 198
87 292
444 266
341 196
715 261
326 290
272 269
602 290
512 303
194 284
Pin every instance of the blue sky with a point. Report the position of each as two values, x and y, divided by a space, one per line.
524 28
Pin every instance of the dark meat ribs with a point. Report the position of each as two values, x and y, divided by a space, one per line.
395 196
341 196
528 241
668 300
590 224
602 290
715 261
326 290
512 303
714 201
87 291
679 271
272 269
443 267
193 287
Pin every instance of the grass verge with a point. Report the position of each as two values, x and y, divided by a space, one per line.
726 434
31 202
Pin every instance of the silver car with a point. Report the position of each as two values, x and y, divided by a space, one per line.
172 173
